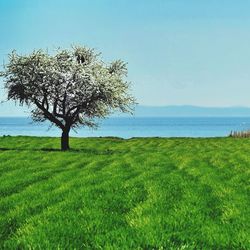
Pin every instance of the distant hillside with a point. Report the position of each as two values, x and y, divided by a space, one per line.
10 109
173 111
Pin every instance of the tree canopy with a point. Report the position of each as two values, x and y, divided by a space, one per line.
70 88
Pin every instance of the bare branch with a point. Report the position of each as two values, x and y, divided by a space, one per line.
48 115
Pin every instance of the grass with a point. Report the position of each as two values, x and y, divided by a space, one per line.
109 193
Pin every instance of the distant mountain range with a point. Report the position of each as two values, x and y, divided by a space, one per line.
190 111
9 109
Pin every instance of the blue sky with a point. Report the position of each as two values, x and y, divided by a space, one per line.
194 52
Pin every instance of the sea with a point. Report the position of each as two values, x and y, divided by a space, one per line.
128 127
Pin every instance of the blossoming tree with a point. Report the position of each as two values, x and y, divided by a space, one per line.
70 88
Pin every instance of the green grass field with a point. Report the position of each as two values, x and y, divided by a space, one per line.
108 193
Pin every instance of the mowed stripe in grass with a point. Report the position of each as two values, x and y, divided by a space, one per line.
141 193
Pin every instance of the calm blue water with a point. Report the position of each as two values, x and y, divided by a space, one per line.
134 127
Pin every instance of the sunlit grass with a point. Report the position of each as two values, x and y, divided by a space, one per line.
147 193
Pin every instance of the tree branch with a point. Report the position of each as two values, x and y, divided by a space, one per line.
50 116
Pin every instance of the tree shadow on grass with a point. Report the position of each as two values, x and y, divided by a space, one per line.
85 150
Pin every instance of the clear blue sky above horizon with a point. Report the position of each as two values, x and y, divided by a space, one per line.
178 52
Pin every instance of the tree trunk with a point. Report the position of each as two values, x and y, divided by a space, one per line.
65 140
